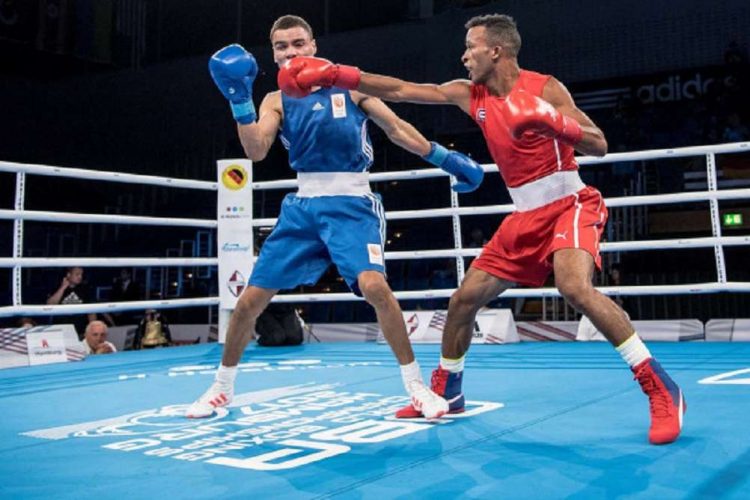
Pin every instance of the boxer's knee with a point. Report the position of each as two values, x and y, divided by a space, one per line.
374 289
465 303
579 293
251 303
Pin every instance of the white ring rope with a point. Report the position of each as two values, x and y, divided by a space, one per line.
96 175
108 262
104 218
19 215
622 201
693 288
102 307
620 246
651 154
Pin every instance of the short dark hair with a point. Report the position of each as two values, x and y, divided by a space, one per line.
289 21
501 29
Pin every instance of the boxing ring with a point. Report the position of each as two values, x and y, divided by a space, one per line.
544 419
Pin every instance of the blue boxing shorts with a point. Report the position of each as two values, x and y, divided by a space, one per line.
313 232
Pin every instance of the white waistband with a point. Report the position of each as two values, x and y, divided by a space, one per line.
543 191
312 184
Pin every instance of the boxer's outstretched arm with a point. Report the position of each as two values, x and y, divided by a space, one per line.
298 76
468 173
457 92
593 141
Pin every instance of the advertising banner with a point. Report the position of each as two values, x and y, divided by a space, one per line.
234 234
492 326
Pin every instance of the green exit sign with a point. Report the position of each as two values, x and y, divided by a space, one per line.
732 219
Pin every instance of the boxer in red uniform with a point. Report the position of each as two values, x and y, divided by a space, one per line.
532 128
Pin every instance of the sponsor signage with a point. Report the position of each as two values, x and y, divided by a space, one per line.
234 234
269 430
652 89
234 176
492 326
46 347
234 247
236 283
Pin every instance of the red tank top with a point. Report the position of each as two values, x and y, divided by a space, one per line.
529 159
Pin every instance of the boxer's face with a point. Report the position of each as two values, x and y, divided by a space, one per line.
477 57
291 43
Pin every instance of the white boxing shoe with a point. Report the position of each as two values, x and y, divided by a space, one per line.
425 400
216 396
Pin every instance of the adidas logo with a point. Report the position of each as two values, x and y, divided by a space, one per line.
317 107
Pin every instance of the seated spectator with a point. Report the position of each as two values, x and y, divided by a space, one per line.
153 331
279 325
25 322
95 339
72 290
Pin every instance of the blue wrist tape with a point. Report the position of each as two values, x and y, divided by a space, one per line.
437 154
243 112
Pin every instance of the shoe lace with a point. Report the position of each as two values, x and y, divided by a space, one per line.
215 390
417 389
658 400
439 380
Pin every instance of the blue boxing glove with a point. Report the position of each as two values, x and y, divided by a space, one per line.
468 173
233 70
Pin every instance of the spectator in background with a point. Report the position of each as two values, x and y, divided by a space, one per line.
735 54
445 276
615 279
95 339
72 290
735 131
476 238
25 322
153 331
125 289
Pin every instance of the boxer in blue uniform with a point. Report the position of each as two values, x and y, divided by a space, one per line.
333 217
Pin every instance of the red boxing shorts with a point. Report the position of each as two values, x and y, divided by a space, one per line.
521 249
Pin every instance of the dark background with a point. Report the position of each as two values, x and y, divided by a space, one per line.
122 85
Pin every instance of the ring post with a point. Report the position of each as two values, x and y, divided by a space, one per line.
234 234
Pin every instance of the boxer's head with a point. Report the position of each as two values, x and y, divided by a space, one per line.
291 36
489 39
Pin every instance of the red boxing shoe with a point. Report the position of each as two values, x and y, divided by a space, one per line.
666 401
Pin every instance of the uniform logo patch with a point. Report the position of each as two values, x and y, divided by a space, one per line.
375 253
317 106
481 114
339 105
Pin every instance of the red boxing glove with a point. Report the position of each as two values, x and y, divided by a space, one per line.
287 78
524 112
298 75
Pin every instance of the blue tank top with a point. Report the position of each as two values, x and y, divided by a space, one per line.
326 132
